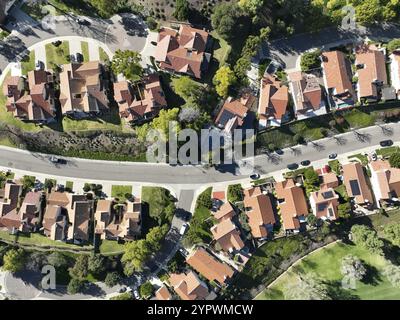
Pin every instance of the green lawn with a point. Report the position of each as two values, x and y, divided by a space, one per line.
341 191
363 158
36 239
120 192
326 263
57 55
103 55
28 64
107 122
85 51
69 185
111 247
387 152
221 48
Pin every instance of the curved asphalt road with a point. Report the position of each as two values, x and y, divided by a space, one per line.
190 175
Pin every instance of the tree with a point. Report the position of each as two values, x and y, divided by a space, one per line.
112 279
306 288
226 20
223 79
311 176
189 114
28 182
80 269
310 60
235 193
394 160
136 253
169 212
127 62
188 89
312 220
353 268
204 199
163 120
151 23
392 273
57 259
368 11
393 45
392 233
35 261
48 184
367 238
251 6
155 236
75 286
181 10
96 264
344 210
105 8
14 260
146 290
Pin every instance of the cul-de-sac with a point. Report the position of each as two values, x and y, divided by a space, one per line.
205 150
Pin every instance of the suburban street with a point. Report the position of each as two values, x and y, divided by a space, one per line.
191 175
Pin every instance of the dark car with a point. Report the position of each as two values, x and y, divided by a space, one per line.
386 143
57 43
279 151
84 22
332 156
57 160
254 176
305 162
292 166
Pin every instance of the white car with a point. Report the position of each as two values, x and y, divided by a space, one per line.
183 229
136 294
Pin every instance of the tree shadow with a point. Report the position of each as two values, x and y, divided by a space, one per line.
337 292
372 277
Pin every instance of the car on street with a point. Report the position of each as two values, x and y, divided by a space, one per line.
374 156
292 166
386 143
305 163
57 160
84 22
279 151
332 156
255 176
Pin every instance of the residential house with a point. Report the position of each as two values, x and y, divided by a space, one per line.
292 204
147 107
273 102
328 180
82 88
226 211
337 79
163 293
28 213
385 181
209 267
32 101
356 183
9 198
227 236
259 211
324 204
183 51
307 95
122 223
395 71
188 286
67 217
234 112
371 72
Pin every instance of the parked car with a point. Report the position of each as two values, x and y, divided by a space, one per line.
136 294
84 22
386 143
254 176
332 156
305 163
40 65
374 156
183 229
292 166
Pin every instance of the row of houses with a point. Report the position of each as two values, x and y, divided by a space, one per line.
338 88
67 217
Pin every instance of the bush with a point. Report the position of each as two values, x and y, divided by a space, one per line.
204 199
310 60
146 290
394 160
112 279
75 286
14 260
123 296
367 238
151 23
235 193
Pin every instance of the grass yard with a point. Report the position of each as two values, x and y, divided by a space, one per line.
341 191
28 64
326 263
57 55
363 158
69 186
387 152
358 119
120 192
85 51
107 122
35 239
103 55
111 247
221 49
